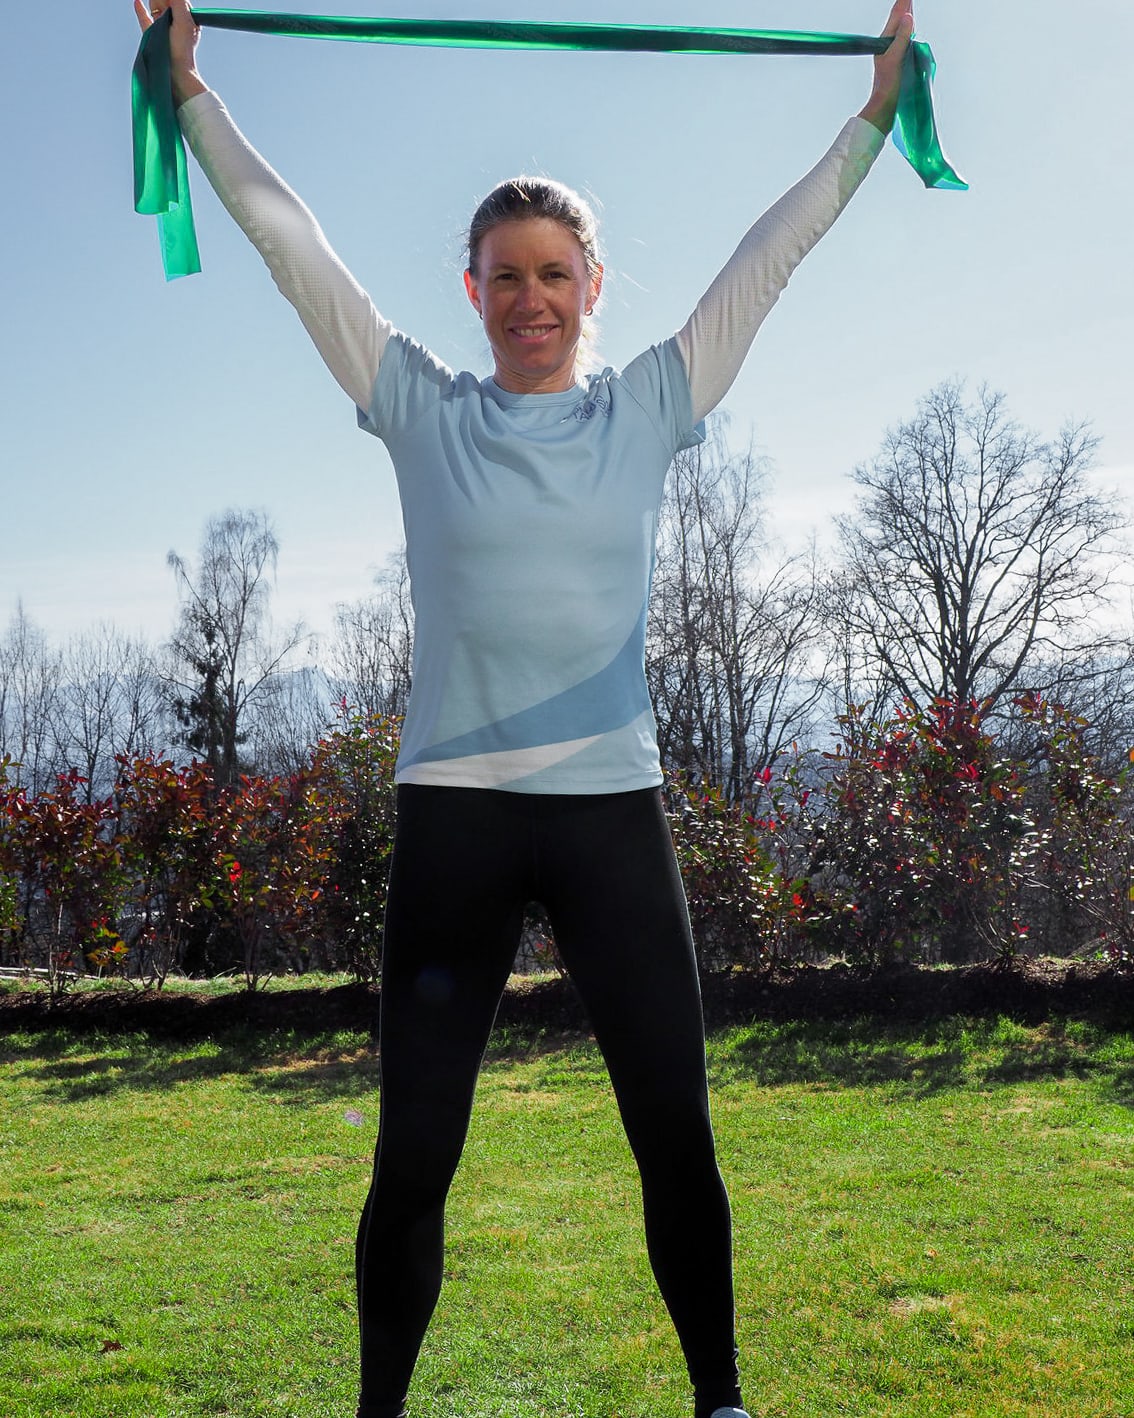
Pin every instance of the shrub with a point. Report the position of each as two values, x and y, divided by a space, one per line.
164 837
1083 886
58 849
917 838
9 881
355 764
924 846
749 904
273 853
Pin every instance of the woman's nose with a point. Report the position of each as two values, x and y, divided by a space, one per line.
529 296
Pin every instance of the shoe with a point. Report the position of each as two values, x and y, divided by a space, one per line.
728 1413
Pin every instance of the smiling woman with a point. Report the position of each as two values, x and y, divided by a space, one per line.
529 766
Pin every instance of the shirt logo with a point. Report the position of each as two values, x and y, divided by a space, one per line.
599 404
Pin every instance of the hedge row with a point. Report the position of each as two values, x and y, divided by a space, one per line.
912 837
916 837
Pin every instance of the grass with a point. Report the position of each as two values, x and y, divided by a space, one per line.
211 987
929 1221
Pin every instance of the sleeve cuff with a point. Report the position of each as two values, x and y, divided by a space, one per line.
194 110
865 139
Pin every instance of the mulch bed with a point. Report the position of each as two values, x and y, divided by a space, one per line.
1030 990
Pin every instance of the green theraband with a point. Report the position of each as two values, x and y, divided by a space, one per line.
161 184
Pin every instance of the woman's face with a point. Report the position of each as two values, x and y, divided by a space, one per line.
532 290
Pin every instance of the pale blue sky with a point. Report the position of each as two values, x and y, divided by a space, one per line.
133 410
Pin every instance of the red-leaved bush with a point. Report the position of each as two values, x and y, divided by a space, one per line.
915 837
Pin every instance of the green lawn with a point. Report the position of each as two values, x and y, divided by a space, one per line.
929 1221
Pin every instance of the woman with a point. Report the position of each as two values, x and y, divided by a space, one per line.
529 767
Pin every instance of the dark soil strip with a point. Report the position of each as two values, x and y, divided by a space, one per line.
1031 991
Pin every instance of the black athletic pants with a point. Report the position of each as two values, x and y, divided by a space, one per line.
466 861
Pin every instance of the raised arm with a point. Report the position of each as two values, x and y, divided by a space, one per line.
718 335
348 332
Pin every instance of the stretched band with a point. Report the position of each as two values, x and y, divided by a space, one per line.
161 181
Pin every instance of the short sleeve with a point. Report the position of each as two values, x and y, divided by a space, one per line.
657 381
410 380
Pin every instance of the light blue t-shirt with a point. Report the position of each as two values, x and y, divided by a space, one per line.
530 522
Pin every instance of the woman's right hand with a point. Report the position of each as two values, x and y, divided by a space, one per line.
882 106
182 44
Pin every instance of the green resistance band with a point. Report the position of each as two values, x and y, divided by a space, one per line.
161 179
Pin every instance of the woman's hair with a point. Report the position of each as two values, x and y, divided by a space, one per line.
521 198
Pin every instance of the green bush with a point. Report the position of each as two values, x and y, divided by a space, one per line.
750 902
355 763
917 838
925 845
1083 885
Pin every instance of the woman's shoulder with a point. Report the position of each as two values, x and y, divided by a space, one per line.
408 358
657 382
408 363
657 369
411 379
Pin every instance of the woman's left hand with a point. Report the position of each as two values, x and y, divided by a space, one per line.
882 105
183 37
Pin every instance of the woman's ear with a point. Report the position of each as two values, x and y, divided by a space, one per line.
473 293
595 290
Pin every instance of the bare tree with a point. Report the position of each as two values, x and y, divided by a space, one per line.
731 643
372 653
226 654
30 674
978 554
142 724
297 713
109 703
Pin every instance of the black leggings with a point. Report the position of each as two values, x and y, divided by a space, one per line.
466 861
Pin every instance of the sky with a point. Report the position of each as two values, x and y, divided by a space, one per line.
134 410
